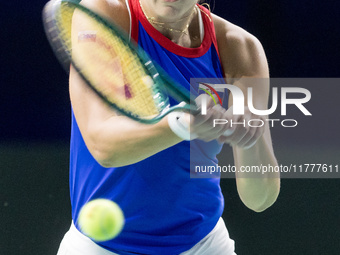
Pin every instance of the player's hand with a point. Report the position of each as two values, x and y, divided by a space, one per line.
203 125
239 132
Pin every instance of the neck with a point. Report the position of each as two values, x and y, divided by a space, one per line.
175 27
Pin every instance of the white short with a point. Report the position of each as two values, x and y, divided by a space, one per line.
217 242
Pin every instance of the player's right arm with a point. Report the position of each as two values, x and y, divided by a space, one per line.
115 140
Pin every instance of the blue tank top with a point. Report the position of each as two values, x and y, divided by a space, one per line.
166 211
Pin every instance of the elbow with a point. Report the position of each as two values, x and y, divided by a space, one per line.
109 159
259 200
108 155
270 198
106 163
104 153
103 157
260 207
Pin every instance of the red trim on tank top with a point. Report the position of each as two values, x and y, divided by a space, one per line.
213 32
209 33
134 20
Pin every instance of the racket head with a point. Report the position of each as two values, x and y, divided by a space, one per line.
119 72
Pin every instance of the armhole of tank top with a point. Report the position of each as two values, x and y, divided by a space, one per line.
128 8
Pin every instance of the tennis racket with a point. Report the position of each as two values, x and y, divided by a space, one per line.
119 72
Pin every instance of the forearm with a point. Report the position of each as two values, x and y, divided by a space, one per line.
257 190
115 140
120 141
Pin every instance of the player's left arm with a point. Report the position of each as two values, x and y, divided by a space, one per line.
245 65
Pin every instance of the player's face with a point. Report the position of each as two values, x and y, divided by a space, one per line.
169 10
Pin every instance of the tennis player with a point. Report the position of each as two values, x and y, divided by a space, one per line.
145 168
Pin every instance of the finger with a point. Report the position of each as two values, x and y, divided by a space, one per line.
209 129
258 133
246 147
229 132
238 129
228 129
248 138
199 119
252 132
226 135
222 139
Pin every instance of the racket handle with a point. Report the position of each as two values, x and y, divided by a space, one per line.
179 127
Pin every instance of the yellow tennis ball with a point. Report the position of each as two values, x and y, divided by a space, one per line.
101 220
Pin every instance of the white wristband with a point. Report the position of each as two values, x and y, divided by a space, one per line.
179 127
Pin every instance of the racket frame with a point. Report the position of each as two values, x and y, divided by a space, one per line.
160 78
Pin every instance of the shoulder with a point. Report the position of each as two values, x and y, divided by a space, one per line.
114 10
241 53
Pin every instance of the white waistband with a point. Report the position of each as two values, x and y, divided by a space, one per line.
77 243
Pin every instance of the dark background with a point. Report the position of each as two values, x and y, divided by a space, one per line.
301 39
